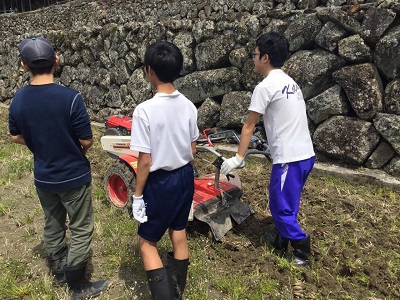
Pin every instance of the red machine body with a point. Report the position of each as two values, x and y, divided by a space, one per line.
216 198
119 121
204 188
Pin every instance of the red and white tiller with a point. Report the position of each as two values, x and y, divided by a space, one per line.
216 199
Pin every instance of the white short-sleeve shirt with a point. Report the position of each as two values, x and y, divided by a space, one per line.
279 99
165 126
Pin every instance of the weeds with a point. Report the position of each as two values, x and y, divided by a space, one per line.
16 161
232 286
5 209
354 227
269 287
14 283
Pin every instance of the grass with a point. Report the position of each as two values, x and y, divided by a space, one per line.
355 232
16 162
4 209
15 283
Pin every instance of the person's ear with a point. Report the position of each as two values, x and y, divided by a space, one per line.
265 58
25 66
57 61
150 71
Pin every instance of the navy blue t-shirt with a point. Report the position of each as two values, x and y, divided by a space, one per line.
52 118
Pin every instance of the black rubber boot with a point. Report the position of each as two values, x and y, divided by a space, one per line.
278 242
302 252
56 263
79 286
179 269
160 284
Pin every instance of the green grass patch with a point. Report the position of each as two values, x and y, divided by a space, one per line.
233 286
16 161
5 209
15 282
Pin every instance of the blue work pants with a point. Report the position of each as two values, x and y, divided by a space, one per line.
286 185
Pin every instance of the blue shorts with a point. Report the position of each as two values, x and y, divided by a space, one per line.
168 196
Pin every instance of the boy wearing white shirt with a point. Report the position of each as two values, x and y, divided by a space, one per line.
164 132
279 99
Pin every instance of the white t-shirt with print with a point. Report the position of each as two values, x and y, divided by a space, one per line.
165 126
280 100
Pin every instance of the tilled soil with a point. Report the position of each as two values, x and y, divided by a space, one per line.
354 227
355 235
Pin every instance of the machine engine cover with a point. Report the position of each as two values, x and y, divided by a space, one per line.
119 121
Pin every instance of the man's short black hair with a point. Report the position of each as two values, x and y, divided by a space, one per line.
275 45
41 70
165 59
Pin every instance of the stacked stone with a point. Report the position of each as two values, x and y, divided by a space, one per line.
345 55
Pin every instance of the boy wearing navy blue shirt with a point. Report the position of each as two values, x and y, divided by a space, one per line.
52 121
164 132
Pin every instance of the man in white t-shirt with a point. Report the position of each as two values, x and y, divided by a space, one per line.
279 99
164 132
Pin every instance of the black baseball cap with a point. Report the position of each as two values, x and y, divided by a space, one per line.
37 52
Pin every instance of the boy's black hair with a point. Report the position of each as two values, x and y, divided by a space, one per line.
165 59
41 70
275 45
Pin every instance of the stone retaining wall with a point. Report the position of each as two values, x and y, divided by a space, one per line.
346 59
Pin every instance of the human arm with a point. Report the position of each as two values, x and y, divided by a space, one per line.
140 142
194 148
81 123
245 137
19 139
15 133
194 151
247 132
142 173
86 144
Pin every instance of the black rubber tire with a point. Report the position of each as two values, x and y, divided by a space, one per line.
119 182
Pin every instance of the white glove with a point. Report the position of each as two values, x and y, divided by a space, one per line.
139 209
232 163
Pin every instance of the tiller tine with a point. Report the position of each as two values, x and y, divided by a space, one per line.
218 211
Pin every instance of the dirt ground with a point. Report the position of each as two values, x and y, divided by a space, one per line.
355 231
355 242
354 226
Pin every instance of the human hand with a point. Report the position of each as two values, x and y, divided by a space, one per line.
232 163
139 209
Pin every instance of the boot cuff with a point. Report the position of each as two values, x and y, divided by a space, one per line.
76 267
